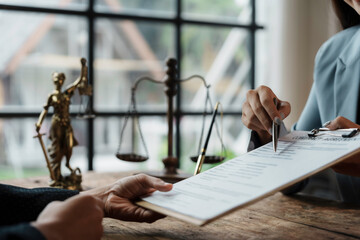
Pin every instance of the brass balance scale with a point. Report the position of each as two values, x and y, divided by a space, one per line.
170 172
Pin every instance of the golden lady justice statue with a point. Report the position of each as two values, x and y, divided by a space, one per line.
61 132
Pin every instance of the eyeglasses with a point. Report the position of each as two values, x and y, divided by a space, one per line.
345 132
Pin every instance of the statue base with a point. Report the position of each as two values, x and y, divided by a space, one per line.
71 182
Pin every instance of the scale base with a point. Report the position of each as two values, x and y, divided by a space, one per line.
170 178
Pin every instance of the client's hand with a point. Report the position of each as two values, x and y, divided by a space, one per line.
117 198
350 166
259 110
78 217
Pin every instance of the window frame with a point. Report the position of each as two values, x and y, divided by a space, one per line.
177 21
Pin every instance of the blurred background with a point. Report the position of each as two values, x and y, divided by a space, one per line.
235 45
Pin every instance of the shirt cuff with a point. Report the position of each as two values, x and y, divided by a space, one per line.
254 141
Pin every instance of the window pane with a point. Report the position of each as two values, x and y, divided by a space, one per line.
108 130
221 56
215 10
263 45
65 4
21 154
262 58
262 12
165 8
235 138
125 51
36 46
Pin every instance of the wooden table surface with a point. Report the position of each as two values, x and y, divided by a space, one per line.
276 217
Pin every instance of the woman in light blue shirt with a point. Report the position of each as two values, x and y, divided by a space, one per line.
333 100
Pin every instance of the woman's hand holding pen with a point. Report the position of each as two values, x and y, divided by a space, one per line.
259 111
350 166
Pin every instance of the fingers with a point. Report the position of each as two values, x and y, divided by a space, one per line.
124 209
79 217
269 101
272 104
91 210
119 203
88 202
284 109
148 216
99 204
138 185
119 198
249 118
258 109
350 166
149 182
261 107
341 122
139 214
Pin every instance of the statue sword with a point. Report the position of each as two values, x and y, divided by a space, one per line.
39 136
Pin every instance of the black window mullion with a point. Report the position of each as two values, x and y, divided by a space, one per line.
91 46
178 96
178 22
252 44
125 16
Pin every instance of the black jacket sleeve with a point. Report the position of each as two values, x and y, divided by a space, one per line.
23 231
254 141
19 205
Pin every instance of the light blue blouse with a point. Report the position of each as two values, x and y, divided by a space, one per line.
335 93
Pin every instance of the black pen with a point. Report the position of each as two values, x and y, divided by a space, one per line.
275 127
201 157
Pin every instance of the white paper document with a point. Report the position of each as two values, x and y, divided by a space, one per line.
251 177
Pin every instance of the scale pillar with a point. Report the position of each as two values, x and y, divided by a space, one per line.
170 173
170 161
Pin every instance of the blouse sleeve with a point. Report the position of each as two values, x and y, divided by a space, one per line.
310 116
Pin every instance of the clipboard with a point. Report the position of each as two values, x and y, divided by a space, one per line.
165 203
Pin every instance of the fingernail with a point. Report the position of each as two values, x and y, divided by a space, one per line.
326 124
277 120
162 183
282 115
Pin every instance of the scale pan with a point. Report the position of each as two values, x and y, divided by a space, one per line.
209 159
131 157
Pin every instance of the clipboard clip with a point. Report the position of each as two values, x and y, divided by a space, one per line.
344 133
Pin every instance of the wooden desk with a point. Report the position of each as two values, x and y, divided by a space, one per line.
276 217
